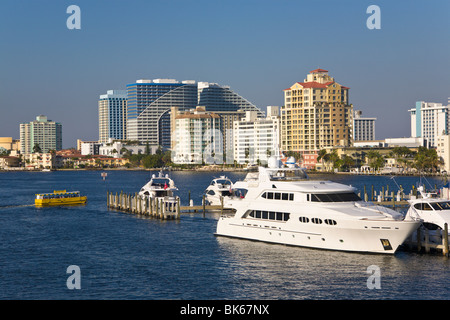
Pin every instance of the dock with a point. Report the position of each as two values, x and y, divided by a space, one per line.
162 209
428 241
423 240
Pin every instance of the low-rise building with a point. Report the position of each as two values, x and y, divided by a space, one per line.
9 162
117 149
9 144
100 162
40 160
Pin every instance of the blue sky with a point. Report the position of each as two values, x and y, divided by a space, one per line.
258 48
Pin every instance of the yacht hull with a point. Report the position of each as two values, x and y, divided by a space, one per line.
370 236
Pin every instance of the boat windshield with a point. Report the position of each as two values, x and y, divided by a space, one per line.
297 174
335 197
160 182
444 205
223 181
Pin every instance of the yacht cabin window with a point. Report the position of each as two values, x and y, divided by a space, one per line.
335 197
423 206
268 215
278 196
442 205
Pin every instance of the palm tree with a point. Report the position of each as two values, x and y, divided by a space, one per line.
37 148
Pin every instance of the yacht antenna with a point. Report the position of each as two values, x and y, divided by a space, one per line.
393 178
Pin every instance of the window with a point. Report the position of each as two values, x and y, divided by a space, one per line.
278 196
423 206
316 220
303 219
269 215
335 197
330 222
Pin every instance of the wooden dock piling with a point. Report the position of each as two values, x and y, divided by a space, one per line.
424 240
135 204
164 209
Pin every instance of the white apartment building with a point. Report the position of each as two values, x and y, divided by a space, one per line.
443 151
41 132
116 149
40 161
256 139
196 137
90 148
429 120
363 128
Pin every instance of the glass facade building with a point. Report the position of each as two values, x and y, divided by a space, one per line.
112 115
149 103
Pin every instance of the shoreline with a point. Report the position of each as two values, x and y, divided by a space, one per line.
225 169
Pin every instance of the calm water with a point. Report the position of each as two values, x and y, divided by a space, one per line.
123 256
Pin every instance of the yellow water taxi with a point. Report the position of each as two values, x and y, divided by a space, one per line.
59 198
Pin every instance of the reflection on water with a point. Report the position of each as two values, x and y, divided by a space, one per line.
272 271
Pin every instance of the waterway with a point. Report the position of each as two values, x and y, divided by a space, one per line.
124 256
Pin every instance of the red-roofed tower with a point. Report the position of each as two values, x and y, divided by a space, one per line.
316 115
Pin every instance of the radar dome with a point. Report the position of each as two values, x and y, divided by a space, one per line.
290 160
274 162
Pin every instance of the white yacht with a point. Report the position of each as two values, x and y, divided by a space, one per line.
159 187
251 167
218 188
430 209
284 206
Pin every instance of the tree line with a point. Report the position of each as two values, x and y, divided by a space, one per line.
423 160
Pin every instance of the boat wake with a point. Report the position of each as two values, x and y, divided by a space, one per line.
16 206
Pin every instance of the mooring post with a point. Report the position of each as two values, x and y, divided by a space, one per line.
393 200
204 204
445 240
130 203
151 206
419 240
178 208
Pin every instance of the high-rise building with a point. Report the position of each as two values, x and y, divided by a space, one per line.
44 133
149 103
316 114
197 137
112 115
429 120
256 139
227 129
363 128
